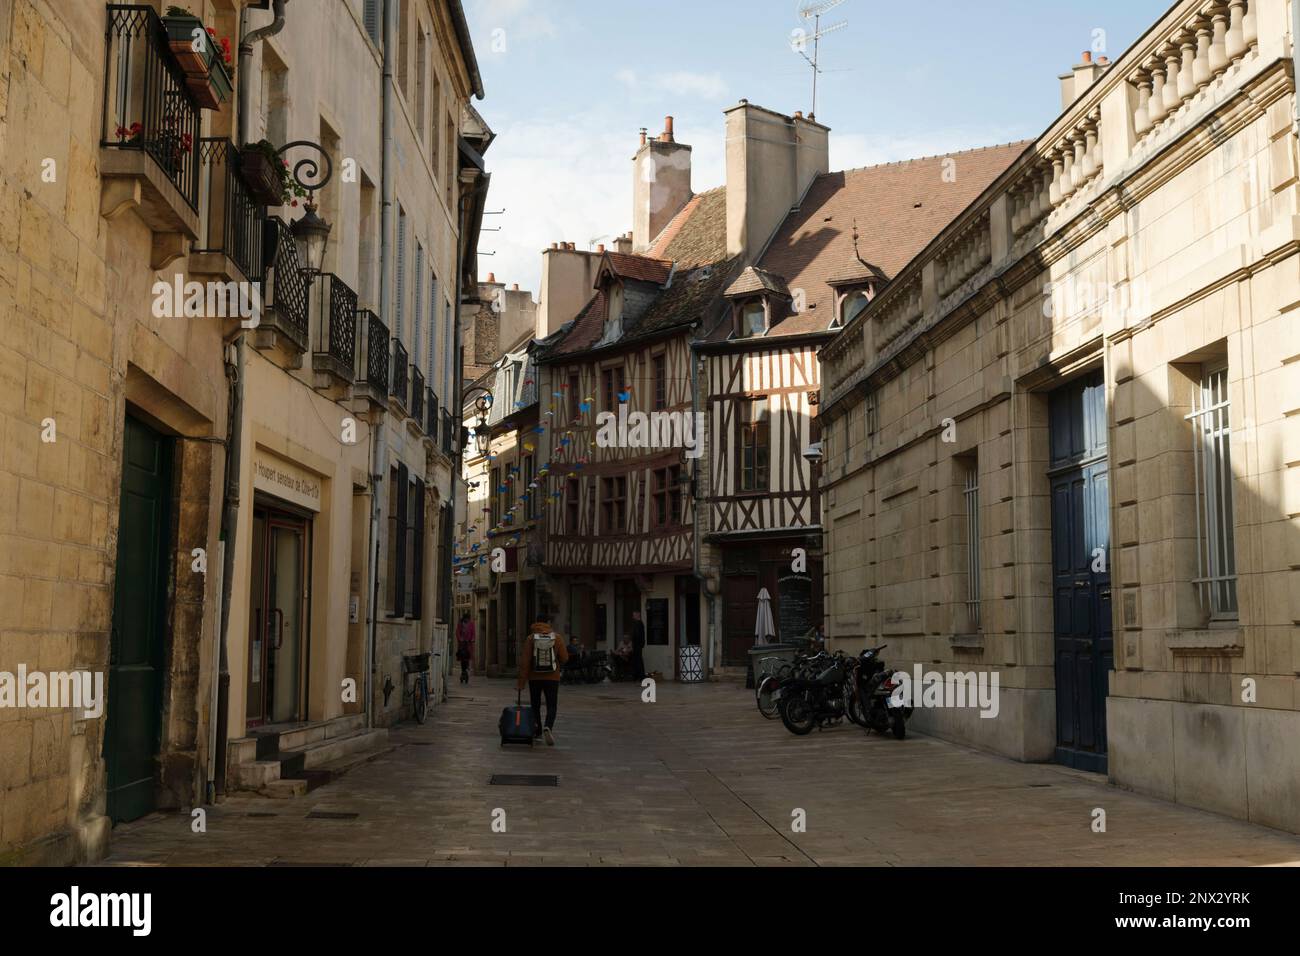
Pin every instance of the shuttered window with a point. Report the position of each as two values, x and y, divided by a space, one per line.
416 537
417 317
399 325
371 14
397 535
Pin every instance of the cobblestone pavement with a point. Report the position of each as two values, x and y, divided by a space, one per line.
696 778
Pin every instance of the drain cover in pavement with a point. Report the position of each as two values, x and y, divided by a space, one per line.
331 815
524 780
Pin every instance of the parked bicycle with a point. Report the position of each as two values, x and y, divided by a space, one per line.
418 664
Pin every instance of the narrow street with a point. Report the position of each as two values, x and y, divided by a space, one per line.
696 778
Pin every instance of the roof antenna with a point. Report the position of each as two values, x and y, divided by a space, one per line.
813 10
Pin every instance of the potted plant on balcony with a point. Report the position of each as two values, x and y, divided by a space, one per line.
267 175
184 31
203 56
214 87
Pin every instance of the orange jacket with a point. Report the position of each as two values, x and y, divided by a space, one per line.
526 665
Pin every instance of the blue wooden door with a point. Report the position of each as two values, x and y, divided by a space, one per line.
1084 646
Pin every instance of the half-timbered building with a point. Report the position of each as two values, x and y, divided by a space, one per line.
817 246
624 440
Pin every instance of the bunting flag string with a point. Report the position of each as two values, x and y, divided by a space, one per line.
465 558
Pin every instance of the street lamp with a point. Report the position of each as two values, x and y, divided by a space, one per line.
482 407
813 454
311 233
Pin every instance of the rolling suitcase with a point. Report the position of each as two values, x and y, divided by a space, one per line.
516 723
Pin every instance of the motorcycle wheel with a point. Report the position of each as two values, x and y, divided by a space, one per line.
797 715
767 706
899 726
853 709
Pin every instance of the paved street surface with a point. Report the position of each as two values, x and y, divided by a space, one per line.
696 778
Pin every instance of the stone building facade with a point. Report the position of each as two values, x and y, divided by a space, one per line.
1060 444
116 399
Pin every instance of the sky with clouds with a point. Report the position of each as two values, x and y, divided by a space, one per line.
571 82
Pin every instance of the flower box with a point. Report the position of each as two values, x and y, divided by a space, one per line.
180 37
213 89
264 181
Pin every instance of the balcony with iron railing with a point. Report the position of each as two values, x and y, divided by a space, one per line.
286 297
333 308
229 246
416 408
399 388
372 358
149 138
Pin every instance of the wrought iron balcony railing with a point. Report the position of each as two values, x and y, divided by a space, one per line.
399 388
334 326
285 289
234 218
416 407
147 106
431 415
372 352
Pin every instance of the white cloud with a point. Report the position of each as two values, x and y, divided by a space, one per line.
522 19
709 86
570 180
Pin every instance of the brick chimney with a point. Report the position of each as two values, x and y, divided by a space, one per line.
661 185
772 159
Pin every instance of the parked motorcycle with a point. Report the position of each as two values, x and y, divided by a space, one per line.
872 705
817 696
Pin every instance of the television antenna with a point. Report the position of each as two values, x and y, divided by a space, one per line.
814 11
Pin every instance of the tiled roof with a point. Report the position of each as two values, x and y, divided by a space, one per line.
625 265
705 242
692 250
898 207
754 280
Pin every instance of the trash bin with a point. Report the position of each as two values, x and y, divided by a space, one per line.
758 668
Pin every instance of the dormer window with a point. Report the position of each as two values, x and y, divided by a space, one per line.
753 319
853 302
759 300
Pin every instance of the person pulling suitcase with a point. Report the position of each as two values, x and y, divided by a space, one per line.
543 663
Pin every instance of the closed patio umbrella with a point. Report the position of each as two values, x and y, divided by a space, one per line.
764 627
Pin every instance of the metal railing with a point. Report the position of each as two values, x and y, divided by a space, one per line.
1216 553
448 434
400 369
234 219
431 416
334 325
372 351
147 105
285 287
971 495
416 408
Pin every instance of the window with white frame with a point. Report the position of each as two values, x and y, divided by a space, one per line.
1216 581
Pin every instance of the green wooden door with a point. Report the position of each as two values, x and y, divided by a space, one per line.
135 669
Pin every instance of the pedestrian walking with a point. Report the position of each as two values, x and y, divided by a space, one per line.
638 646
543 663
465 646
